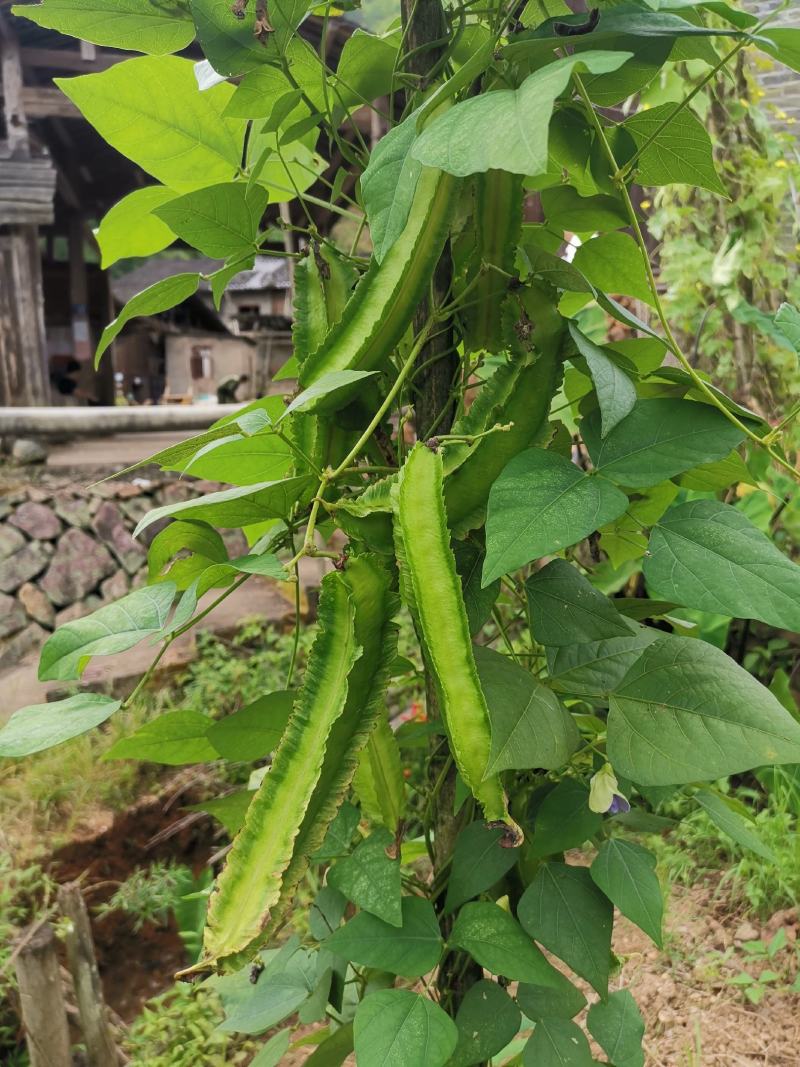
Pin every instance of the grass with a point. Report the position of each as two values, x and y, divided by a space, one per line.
697 849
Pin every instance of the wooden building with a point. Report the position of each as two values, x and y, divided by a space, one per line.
57 180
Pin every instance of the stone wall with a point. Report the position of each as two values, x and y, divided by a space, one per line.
66 549
782 85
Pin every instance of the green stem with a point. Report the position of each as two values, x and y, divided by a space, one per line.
671 342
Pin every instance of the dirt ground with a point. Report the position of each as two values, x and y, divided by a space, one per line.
694 1017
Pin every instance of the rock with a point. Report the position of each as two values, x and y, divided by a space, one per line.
105 490
746 932
74 510
37 521
136 509
147 535
126 490
11 541
79 565
12 650
174 493
114 587
37 495
12 615
24 565
5 508
26 450
37 604
235 542
110 527
79 610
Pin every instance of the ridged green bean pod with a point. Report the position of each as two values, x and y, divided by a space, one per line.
382 306
433 588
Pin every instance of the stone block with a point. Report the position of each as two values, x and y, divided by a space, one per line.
11 541
14 648
174 493
136 509
114 587
78 610
74 510
110 527
37 604
12 615
26 450
24 565
38 495
79 565
37 521
126 490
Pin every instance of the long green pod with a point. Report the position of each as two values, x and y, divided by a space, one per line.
369 583
252 879
520 394
382 306
434 589
498 224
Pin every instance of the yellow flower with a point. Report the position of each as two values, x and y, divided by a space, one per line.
645 204
743 102
781 163
781 114
791 122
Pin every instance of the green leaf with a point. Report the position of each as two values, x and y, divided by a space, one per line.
596 668
334 1050
617 1026
566 609
495 939
230 809
241 506
564 910
613 262
151 110
161 296
487 1019
286 983
557 1043
479 861
174 738
565 209
616 393
228 43
626 873
271 1054
624 538
41 726
114 628
397 1028
687 712
530 727
258 93
326 913
365 70
339 834
242 460
255 731
137 25
410 950
708 555
732 824
203 542
506 129
541 504
563 1001
784 45
334 384
130 228
477 600
286 16
564 819
787 319
681 152
711 477
371 879
388 185
540 263
660 438
220 220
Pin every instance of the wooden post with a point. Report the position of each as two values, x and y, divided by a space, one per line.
100 1048
44 1015
23 350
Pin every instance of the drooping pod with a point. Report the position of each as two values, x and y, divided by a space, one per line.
342 695
432 590
519 393
496 232
251 881
382 306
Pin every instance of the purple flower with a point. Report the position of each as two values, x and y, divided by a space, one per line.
619 805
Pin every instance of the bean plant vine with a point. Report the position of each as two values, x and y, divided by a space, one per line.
470 452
